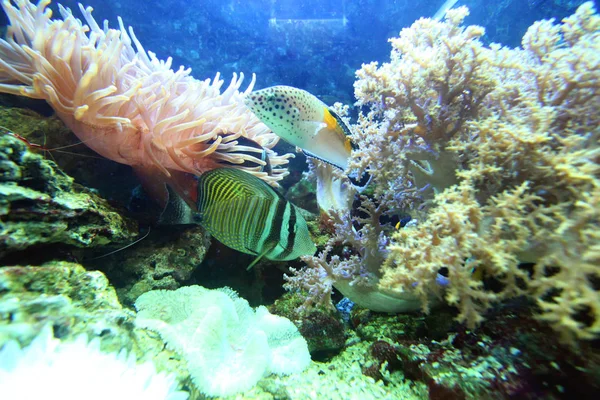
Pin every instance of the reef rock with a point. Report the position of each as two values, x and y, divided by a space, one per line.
74 301
165 259
41 205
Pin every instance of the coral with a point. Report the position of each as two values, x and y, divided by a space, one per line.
529 187
74 302
126 104
373 326
228 346
404 356
436 81
342 378
322 329
78 369
40 205
495 153
384 360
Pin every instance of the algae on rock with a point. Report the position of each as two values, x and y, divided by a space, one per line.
74 301
165 259
39 204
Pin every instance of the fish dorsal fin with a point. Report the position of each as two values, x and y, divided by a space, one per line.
246 185
176 210
340 122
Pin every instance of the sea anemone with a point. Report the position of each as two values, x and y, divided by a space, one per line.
49 368
125 103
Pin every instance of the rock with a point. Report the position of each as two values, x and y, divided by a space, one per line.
74 301
165 260
322 328
40 205
63 294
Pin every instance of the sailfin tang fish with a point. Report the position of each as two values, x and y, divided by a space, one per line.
304 121
244 213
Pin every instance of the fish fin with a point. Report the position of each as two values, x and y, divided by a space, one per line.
329 118
260 256
176 211
248 185
359 183
311 155
155 183
175 194
332 191
346 135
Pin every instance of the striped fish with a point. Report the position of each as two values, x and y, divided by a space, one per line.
244 213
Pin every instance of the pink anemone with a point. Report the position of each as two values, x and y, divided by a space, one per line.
126 104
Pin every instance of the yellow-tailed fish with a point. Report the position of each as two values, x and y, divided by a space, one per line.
244 213
304 121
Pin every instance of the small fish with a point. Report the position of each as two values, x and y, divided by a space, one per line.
244 213
402 221
304 121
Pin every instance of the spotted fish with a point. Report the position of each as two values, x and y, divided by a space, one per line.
304 121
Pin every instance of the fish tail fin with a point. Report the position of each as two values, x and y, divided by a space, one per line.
176 210
175 194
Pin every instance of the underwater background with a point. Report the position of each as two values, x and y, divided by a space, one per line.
90 266
316 45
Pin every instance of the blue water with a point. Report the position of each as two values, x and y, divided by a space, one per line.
315 45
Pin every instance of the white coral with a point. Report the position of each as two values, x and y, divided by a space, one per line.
228 346
49 368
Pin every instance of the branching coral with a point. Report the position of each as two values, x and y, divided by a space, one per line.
508 139
126 104
436 80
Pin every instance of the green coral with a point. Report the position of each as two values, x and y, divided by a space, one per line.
372 326
321 326
343 378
